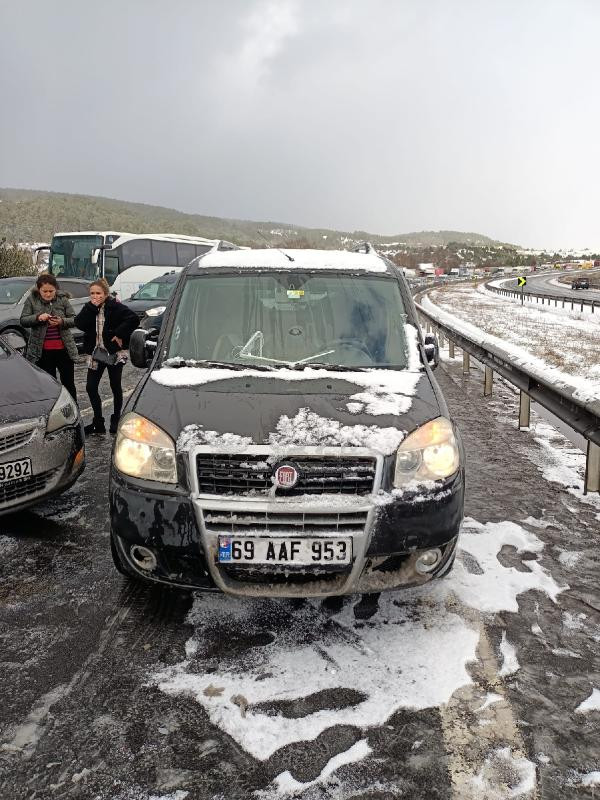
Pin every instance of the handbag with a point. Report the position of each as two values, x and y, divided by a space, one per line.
102 356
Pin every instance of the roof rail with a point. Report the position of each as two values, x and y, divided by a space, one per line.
363 247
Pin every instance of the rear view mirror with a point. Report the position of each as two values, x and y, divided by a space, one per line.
432 350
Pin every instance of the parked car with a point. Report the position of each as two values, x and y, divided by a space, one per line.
41 434
289 438
580 283
13 292
150 302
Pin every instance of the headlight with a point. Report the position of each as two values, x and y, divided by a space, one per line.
143 450
428 454
64 412
156 312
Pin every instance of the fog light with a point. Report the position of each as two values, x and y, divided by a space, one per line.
428 561
143 558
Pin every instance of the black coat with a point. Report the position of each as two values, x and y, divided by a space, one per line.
119 321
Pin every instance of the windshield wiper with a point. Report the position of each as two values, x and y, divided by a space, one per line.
323 365
175 363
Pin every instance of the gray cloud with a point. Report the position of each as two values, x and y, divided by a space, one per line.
386 116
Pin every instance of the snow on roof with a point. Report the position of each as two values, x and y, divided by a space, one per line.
302 260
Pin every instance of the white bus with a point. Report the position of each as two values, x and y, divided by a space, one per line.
126 260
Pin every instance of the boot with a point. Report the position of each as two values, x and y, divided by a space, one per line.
114 421
96 426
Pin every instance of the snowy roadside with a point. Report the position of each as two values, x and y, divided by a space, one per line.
564 348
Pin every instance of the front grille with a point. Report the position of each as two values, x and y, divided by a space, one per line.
25 487
257 523
11 440
251 475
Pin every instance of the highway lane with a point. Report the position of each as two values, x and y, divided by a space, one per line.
546 284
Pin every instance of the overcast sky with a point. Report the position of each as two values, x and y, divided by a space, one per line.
383 115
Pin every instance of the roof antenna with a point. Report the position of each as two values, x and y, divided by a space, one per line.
269 245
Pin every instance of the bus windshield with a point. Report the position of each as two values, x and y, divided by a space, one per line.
71 256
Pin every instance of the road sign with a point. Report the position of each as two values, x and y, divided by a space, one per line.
521 281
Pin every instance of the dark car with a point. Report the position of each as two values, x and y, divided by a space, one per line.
150 302
580 283
41 434
13 292
290 438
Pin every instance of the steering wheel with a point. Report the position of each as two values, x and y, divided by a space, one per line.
351 343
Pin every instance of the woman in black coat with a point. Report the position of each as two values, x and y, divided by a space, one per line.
107 326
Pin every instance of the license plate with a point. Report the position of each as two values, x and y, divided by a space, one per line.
13 470
295 552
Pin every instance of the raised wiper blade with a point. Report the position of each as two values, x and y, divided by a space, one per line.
332 367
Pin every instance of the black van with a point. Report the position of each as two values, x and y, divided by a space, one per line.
289 438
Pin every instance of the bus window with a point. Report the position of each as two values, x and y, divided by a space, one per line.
185 254
201 249
163 253
136 251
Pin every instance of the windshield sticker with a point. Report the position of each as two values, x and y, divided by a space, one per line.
295 293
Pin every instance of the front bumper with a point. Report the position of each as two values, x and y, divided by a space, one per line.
57 460
182 527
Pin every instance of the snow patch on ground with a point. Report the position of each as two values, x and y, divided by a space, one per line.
393 661
505 775
510 663
287 785
591 704
591 779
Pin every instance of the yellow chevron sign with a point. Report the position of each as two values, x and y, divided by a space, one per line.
521 281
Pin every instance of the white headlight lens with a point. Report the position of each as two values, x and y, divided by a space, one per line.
156 312
64 412
429 453
143 450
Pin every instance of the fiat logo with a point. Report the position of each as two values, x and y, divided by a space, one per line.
286 476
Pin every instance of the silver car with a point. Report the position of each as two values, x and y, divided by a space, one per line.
41 434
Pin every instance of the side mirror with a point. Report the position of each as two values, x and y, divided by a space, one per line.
15 340
142 347
95 255
432 350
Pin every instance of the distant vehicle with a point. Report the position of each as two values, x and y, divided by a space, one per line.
41 434
13 292
150 302
109 254
580 283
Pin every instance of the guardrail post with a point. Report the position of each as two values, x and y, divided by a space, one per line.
450 348
582 306
488 382
592 468
466 362
524 409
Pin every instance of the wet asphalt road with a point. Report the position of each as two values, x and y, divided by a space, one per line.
82 715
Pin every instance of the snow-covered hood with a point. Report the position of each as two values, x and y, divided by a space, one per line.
376 408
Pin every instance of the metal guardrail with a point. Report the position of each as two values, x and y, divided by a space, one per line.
580 415
530 296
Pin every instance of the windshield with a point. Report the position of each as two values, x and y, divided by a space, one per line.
13 291
155 290
272 319
71 256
